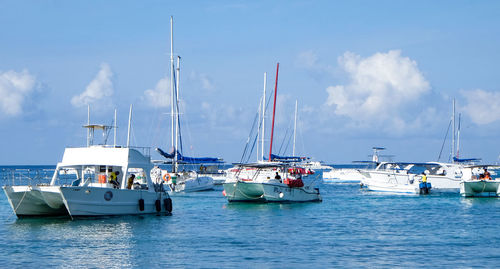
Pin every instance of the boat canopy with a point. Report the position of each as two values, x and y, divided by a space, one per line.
186 159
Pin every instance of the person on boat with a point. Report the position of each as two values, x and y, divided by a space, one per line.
486 174
424 177
130 181
112 179
277 177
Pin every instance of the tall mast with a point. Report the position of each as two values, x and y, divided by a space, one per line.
257 152
177 112
274 111
263 116
114 138
295 129
458 136
172 78
453 134
129 125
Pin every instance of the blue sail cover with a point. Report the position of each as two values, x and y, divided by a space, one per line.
186 159
471 160
287 158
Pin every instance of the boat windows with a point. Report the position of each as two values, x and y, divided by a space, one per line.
140 180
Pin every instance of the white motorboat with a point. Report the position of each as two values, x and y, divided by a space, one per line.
477 184
395 178
353 175
342 175
81 184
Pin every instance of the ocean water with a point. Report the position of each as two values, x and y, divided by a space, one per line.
350 228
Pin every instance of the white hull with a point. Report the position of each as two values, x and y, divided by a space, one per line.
95 201
242 191
478 188
35 200
444 184
200 183
342 176
391 182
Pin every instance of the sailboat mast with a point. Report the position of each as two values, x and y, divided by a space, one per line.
177 112
172 77
294 129
453 134
263 115
458 135
274 111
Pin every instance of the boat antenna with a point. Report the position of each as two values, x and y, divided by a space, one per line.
129 125
88 123
114 138
274 110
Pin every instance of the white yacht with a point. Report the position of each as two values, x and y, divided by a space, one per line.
396 178
97 180
352 175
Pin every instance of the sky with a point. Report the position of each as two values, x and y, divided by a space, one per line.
364 74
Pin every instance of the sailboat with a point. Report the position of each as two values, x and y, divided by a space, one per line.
181 181
274 180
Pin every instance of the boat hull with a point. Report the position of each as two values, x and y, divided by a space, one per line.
258 192
201 183
241 191
342 176
391 182
95 201
281 193
34 201
480 188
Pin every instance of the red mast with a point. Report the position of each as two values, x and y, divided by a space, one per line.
274 110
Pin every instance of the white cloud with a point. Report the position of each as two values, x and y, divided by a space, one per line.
205 82
379 87
308 59
15 88
101 86
482 106
160 95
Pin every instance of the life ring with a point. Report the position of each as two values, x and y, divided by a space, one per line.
167 175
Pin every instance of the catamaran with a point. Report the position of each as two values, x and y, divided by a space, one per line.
96 180
480 183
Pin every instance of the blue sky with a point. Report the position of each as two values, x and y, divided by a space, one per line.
365 73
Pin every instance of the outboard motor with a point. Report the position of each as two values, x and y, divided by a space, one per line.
425 187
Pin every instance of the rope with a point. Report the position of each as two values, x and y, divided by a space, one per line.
22 198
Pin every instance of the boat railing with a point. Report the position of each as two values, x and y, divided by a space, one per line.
25 176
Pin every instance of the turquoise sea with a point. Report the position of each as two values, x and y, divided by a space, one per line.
350 228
